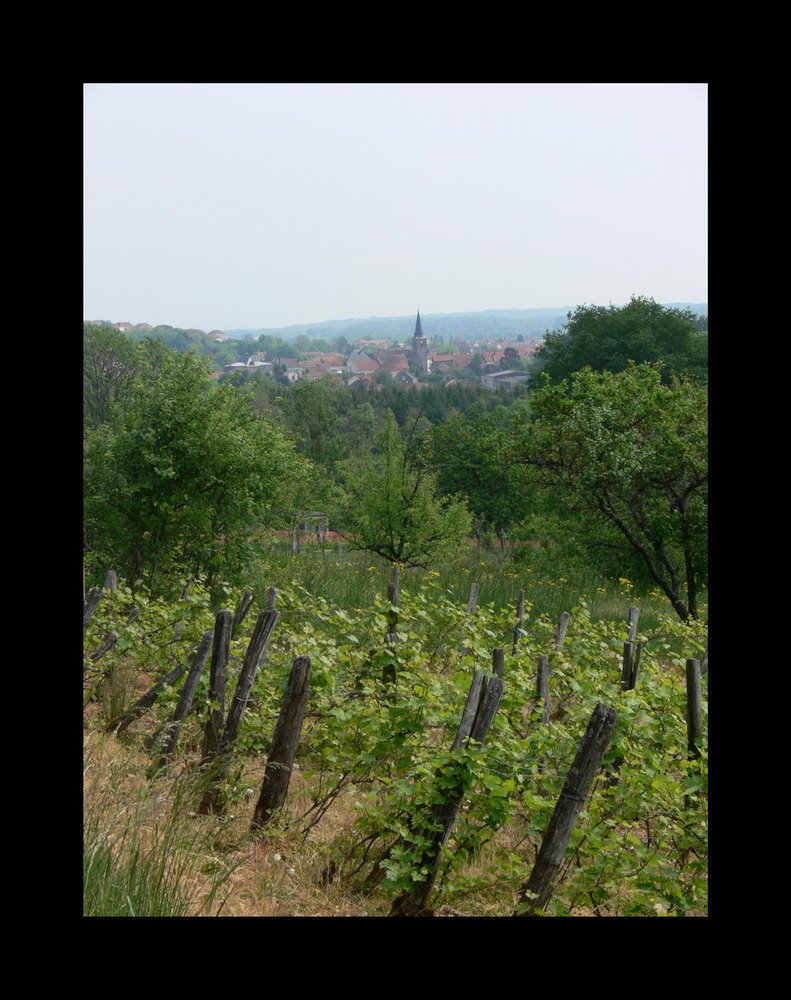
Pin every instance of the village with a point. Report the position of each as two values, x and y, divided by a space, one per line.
408 364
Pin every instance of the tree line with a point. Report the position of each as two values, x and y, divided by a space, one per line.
604 456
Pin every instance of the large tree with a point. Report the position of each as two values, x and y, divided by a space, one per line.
186 479
607 338
109 366
468 454
631 451
392 505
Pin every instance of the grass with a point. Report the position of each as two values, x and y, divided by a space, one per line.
144 855
350 579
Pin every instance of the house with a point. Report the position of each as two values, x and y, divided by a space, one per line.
217 335
503 380
359 363
393 361
447 362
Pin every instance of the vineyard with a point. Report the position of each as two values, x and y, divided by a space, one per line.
416 756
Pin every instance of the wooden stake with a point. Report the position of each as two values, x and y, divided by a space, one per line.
111 580
498 662
560 632
537 891
277 774
172 730
242 611
94 596
472 603
626 667
413 903
391 638
220 654
263 628
694 726
542 687
520 617
124 720
634 615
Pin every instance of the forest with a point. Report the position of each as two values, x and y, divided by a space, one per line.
361 645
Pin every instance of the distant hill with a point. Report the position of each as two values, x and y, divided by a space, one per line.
486 324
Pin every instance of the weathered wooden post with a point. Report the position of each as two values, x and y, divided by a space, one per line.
245 603
560 631
105 647
295 540
221 648
277 774
465 728
111 580
124 720
172 729
472 602
498 662
542 687
634 616
413 903
536 892
263 628
626 667
94 596
520 617
271 604
694 726
391 638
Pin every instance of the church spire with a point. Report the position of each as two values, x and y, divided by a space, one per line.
418 327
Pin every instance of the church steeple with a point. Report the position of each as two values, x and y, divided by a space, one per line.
419 350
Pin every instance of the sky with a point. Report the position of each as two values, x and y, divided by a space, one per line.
242 206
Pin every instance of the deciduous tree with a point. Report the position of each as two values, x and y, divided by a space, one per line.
392 505
607 338
632 451
182 485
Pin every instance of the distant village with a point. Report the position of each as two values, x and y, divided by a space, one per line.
407 363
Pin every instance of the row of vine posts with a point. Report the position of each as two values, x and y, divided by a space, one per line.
483 700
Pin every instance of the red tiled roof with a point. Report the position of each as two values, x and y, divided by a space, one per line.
395 362
331 360
366 364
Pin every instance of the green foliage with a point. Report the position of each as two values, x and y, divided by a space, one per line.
469 455
639 846
182 484
392 506
629 452
608 338
109 365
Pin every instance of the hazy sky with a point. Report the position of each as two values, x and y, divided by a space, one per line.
257 205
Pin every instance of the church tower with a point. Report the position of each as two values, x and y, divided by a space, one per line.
420 348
